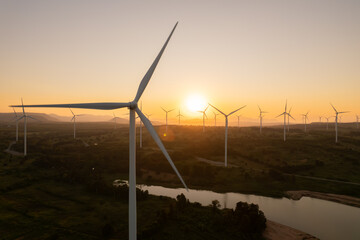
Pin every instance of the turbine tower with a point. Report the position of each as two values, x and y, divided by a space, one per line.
215 114
74 119
261 118
320 118
226 127
286 114
336 122
305 118
133 107
179 116
166 112
204 116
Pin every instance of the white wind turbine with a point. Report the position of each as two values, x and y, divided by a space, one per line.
336 122
305 118
16 119
133 107
25 117
166 112
327 122
238 118
226 127
115 117
74 119
204 116
285 113
261 118
215 114
288 120
179 116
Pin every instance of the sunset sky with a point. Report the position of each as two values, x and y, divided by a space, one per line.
231 53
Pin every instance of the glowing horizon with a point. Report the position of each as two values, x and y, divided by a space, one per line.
230 53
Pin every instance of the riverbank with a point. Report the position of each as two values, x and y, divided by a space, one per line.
343 199
275 231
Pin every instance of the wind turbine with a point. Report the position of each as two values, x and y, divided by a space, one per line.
115 117
166 112
327 122
336 122
180 115
288 120
204 115
238 118
261 118
215 114
133 107
226 127
305 118
25 117
74 119
320 119
16 119
285 113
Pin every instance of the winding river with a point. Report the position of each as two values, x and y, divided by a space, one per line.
323 219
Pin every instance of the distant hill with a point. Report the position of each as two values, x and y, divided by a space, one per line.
8 117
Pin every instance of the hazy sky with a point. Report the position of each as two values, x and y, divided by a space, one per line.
231 52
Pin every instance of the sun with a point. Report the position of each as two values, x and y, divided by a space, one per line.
196 103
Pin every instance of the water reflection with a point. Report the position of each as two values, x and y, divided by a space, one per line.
323 219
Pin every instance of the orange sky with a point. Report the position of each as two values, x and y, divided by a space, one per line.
232 53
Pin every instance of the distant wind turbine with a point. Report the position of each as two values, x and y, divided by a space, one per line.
226 127
179 116
288 120
285 113
133 107
238 118
261 118
215 114
336 122
204 116
74 119
16 119
320 119
115 117
305 118
25 117
327 122
166 112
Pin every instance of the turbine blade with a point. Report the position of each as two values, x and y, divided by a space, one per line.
156 138
344 112
286 105
163 109
236 110
22 104
333 107
149 73
280 115
100 106
72 118
290 110
33 118
218 110
14 112
205 115
72 112
290 116
171 110
206 108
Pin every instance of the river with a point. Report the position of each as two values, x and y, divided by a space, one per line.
323 219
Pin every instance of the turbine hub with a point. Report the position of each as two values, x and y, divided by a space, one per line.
133 105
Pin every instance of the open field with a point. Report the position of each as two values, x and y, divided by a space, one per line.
265 164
